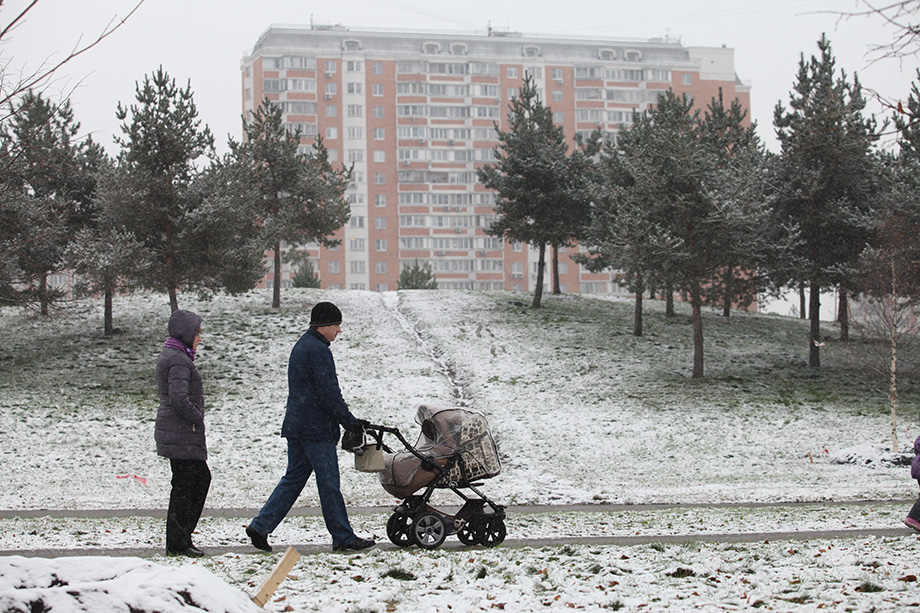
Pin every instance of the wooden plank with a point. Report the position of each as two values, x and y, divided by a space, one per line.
278 574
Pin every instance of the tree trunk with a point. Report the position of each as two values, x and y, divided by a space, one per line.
893 366
803 309
556 288
668 300
696 300
43 294
814 314
276 283
541 265
637 315
107 312
173 298
843 315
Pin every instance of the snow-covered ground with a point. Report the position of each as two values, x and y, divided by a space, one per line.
583 412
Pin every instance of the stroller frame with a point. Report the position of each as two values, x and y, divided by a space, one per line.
415 522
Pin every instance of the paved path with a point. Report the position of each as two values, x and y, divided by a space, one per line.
306 548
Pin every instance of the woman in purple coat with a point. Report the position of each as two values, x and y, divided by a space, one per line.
913 518
179 431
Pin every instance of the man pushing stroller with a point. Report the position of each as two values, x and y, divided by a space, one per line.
315 411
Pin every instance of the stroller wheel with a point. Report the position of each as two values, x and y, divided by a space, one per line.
467 534
429 530
399 528
490 531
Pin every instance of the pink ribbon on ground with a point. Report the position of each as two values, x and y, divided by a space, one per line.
141 480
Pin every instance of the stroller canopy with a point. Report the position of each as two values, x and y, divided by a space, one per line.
447 432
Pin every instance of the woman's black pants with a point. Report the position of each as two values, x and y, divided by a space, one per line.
190 482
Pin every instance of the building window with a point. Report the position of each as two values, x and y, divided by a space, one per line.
687 78
355 110
380 156
558 116
334 268
380 244
512 72
531 51
332 133
356 267
380 268
378 112
356 244
331 89
512 93
380 200
557 75
356 155
356 132
356 221
377 89
332 110
352 66
377 67
380 223
606 55
431 48
380 178
353 88
352 46
330 66
557 95
379 134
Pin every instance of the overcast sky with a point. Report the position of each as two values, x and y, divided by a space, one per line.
203 41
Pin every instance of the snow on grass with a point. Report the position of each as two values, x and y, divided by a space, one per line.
583 412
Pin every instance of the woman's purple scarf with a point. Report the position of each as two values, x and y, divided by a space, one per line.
174 343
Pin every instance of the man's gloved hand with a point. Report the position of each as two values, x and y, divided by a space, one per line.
353 440
363 424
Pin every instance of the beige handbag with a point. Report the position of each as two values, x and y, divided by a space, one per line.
369 459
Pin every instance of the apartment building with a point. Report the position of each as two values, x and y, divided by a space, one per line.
415 114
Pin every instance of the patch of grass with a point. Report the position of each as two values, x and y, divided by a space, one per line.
399 574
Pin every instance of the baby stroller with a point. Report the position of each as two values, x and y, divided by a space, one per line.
454 451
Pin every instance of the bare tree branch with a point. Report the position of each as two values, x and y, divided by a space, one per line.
44 72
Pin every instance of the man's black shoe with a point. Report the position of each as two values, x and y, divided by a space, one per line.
259 541
356 545
190 552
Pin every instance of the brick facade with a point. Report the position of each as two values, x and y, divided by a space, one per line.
415 113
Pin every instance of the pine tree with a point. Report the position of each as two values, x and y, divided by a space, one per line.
417 277
297 197
162 140
540 199
680 203
825 179
47 187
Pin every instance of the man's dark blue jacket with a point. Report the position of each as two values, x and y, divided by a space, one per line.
315 406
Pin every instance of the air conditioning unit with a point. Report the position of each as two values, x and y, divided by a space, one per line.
459 231
517 275
421 141
439 253
329 75
483 252
328 96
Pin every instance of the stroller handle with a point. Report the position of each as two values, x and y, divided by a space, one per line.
377 431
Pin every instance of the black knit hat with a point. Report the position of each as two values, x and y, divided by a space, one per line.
325 314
